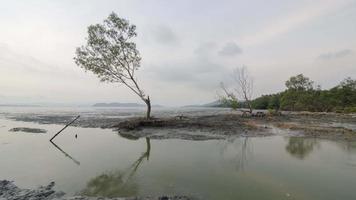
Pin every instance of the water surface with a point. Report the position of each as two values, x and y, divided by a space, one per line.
99 162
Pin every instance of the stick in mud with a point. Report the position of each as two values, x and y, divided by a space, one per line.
64 128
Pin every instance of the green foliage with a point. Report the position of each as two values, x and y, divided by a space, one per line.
267 102
301 96
110 52
299 82
350 109
261 102
110 185
274 102
300 147
230 102
304 97
346 93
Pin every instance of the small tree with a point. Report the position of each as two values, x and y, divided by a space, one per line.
243 87
299 82
299 94
111 54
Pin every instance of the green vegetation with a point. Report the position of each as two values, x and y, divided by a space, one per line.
301 147
230 102
301 95
111 54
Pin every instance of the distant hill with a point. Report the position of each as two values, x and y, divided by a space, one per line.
18 105
216 103
116 104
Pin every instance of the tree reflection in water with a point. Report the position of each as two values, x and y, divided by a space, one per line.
300 147
119 183
239 148
242 155
347 146
110 185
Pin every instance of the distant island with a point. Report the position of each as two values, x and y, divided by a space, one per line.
18 105
216 103
116 104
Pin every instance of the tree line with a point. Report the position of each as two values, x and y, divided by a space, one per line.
302 95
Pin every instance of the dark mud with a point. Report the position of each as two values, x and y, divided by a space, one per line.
187 127
9 191
28 130
210 126
331 126
83 121
192 128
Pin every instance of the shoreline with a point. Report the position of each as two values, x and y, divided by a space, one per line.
9 191
332 126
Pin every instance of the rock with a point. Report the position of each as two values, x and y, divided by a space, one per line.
9 191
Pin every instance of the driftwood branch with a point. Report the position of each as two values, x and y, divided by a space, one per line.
64 128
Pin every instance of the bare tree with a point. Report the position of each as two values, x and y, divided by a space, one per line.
243 87
111 54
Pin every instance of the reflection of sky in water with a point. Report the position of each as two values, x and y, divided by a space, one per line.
277 167
110 112
345 125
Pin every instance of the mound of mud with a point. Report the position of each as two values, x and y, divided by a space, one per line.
28 130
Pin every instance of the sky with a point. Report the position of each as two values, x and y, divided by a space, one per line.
187 47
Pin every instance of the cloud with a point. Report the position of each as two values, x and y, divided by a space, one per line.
201 70
11 62
335 55
282 25
230 49
206 49
163 34
196 72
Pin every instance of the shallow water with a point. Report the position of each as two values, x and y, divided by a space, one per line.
102 163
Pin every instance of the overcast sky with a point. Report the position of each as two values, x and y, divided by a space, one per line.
188 47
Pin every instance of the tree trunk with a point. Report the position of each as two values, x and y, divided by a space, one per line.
148 103
249 106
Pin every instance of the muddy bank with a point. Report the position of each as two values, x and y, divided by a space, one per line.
195 128
9 191
324 131
83 121
28 130
332 126
319 125
211 126
187 127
